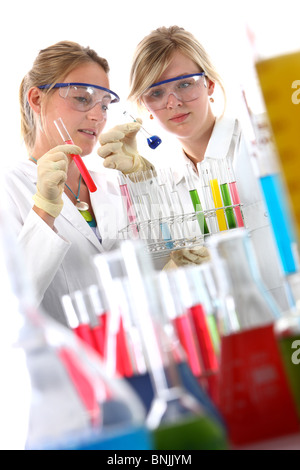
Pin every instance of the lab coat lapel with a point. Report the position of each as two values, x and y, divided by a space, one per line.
70 213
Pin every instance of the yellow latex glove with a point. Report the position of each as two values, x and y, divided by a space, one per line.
119 149
187 256
51 176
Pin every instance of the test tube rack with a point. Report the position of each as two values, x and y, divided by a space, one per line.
167 220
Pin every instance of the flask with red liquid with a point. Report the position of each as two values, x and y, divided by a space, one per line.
254 393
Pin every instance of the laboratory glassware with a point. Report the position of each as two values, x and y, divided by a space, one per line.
195 198
254 393
175 416
77 158
153 140
68 400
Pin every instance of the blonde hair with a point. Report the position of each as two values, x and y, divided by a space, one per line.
51 66
154 53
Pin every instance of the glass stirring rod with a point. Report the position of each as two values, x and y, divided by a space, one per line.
77 158
153 140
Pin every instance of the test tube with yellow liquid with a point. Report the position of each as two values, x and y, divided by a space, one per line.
216 194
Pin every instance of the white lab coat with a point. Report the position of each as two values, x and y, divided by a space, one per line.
60 261
228 140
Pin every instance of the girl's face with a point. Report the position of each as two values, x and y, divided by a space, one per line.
84 127
185 119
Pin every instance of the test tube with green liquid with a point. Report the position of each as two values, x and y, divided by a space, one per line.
225 191
190 179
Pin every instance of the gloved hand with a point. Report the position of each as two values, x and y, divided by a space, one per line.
187 256
52 173
119 149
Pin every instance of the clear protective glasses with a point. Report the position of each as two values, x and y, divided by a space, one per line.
185 88
84 96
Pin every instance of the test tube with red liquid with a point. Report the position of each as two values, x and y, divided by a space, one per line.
77 158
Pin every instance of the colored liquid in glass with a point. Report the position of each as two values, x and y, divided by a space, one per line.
280 221
198 207
236 200
218 203
227 202
290 352
254 394
190 433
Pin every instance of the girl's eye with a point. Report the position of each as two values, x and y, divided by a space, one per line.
156 93
186 84
81 99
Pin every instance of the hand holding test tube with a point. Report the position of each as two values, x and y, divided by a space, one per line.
77 158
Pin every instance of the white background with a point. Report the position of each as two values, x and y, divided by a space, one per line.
113 28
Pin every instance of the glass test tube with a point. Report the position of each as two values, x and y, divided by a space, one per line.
77 317
141 187
234 193
204 174
167 183
129 206
150 191
164 208
77 158
216 194
190 179
225 191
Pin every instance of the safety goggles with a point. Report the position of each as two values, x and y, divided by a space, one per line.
184 88
83 96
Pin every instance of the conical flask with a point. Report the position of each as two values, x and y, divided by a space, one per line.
55 388
254 394
176 418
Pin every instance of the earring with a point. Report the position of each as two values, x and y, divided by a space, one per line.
211 99
151 117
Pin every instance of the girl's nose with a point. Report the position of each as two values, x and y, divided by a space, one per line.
173 101
97 113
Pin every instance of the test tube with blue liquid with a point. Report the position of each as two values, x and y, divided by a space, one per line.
274 191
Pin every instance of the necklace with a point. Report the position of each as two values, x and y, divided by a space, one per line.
80 205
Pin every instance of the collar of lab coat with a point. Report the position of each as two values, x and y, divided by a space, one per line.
218 144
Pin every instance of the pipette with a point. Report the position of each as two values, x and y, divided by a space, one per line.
77 158
153 140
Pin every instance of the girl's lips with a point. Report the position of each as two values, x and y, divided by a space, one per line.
88 132
179 117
